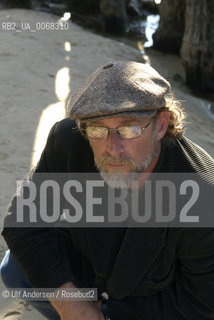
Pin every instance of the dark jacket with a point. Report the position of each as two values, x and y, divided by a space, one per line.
148 273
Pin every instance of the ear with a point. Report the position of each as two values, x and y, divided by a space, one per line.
162 123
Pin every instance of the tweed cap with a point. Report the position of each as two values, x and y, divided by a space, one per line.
118 89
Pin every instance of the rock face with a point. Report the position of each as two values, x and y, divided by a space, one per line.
82 5
16 4
115 16
133 7
168 37
140 7
198 45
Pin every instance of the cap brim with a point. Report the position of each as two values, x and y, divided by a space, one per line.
132 114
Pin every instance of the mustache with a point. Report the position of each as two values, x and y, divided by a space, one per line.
106 158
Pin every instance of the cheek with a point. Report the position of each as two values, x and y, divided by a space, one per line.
138 156
98 147
138 150
134 148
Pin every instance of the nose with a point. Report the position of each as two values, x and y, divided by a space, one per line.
114 144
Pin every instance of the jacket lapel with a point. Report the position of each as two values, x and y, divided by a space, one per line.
139 249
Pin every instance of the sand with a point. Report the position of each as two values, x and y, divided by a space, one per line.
39 69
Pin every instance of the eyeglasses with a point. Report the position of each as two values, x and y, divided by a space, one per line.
124 132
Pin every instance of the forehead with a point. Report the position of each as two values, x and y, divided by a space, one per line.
117 121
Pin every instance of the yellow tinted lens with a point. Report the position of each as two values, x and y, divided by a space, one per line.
129 132
96 132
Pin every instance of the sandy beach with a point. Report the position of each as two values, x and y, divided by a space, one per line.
39 70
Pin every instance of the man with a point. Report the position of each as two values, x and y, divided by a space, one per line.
133 128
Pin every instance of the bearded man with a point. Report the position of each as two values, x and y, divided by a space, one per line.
125 124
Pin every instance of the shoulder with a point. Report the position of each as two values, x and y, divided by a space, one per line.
196 156
65 128
185 156
67 149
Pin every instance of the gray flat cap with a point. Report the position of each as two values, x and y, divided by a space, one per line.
117 89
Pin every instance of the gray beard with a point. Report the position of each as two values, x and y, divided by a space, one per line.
125 180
